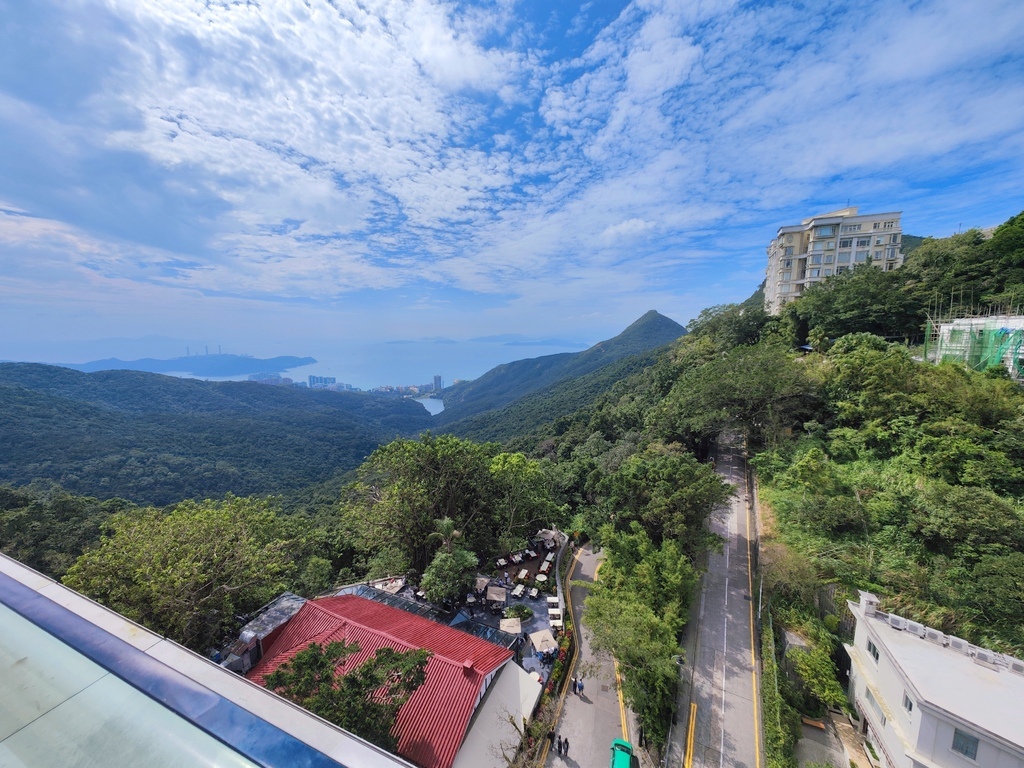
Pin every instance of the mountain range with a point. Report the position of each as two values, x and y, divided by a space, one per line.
158 439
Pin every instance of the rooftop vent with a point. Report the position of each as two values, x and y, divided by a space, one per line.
897 622
915 628
1017 666
868 603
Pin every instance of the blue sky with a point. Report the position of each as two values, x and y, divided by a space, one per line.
289 177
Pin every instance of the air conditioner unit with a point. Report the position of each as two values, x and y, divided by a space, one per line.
980 654
1017 666
915 628
958 644
897 622
934 636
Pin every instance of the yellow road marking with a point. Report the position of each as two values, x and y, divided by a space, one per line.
622 702
689 734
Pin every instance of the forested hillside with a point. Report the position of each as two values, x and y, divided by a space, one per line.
507 383
159 439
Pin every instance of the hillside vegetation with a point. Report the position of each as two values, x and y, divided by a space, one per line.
507 383
158 439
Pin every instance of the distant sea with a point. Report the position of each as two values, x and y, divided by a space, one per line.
412 363
362 365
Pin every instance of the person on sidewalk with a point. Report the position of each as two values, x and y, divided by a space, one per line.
559 746
579 687
565 747
551 738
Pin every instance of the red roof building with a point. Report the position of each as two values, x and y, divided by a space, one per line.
432 724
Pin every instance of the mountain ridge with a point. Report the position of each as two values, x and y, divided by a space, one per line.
509 382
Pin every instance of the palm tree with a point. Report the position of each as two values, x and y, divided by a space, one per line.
445 533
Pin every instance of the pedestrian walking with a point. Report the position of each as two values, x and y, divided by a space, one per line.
579 687
574 685
559 745
565 747
551 737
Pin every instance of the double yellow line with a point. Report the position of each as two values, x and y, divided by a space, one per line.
689 734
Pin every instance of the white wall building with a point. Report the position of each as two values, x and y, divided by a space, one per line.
930 700
826 245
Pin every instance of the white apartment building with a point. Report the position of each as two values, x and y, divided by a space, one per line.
826 245
930 700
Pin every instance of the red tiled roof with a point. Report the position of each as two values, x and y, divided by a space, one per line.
433 722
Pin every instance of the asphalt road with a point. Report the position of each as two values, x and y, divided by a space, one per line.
719 720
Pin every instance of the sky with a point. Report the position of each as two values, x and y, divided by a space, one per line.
318 178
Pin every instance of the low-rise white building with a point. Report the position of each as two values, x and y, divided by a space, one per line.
930 700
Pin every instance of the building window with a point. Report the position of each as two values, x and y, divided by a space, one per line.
814 273
789 250
818 245
889 225
873 650
875 706
844 257
890 253
830 245
829 258
894 239
828 272
847 243
863 242
787 276
860 256
816 258
908 703
850 228
826 231
840 270
787 263
785 288
879 241
964 744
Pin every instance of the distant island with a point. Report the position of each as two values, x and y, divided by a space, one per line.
197 365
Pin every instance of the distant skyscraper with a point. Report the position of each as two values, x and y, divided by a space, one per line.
438 384
826 245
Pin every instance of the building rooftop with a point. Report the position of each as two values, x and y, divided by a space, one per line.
976 686
434 722
82 685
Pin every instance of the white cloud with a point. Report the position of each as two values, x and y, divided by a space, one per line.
310 150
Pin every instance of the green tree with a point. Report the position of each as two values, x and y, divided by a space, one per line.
522 498
188 573
448 575
670 492
364 700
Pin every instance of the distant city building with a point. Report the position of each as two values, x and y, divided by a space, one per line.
438 384
826 245
930 700
322 382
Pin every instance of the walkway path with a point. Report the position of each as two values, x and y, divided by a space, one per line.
592 720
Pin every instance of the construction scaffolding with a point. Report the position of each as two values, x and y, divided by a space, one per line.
978 342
